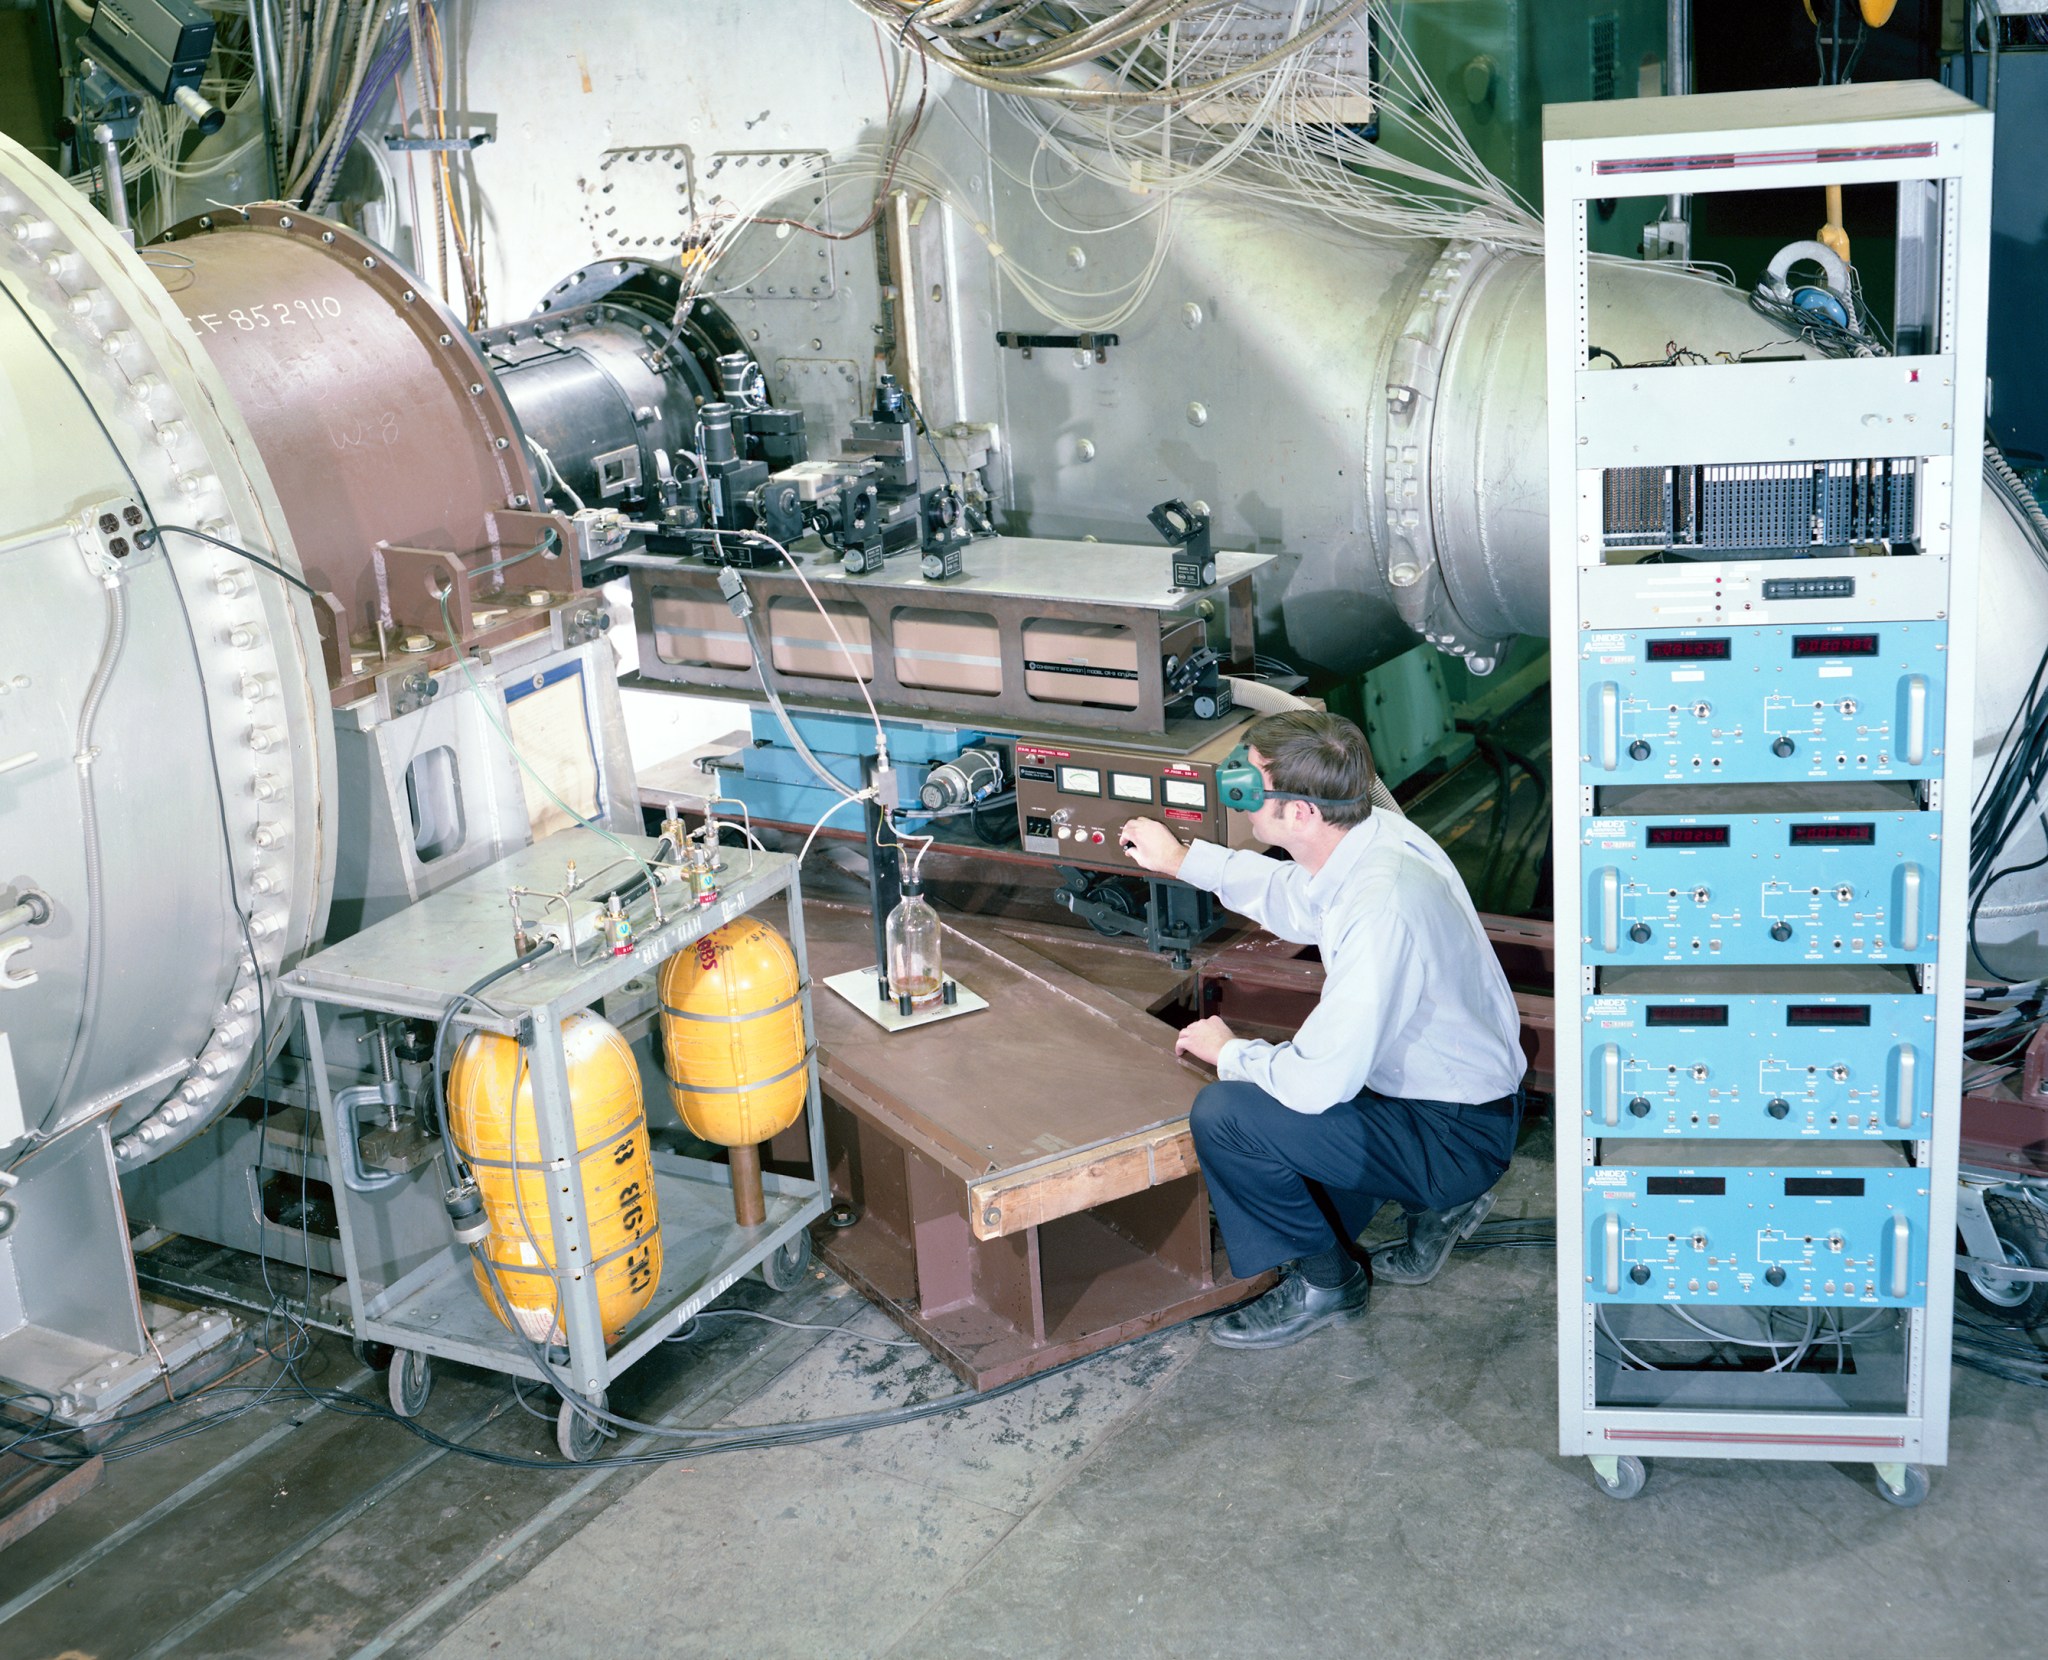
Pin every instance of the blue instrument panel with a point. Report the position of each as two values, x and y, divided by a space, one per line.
1826 1067
1762 888
1767 1237
1760 705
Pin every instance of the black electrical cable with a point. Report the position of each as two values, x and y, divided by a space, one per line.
1537 825
1503 794
451 1160
930 438
1004 836
235 548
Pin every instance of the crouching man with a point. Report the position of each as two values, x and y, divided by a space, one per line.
1403 1084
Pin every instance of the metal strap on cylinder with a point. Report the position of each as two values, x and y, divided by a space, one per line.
540 1166
554 1272
738 1089
736 1019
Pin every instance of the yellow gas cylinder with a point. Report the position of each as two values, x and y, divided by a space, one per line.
732 1025
496 1133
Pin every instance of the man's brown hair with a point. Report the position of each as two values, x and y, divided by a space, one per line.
1310 753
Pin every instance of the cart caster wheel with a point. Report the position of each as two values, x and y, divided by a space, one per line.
784 1271
376 1356
1911 1488
842 1215
409 1381
578 1436
1627 1480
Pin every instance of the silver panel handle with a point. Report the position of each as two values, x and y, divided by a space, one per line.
1611 1233
1914 750
1610 909
1610 725
1610 1083
1903 1100
1902 1254
1909 909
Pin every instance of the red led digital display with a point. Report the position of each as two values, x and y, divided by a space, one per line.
1827 1014
1686 835
1834 645
1686 651
1685 1014
1834 835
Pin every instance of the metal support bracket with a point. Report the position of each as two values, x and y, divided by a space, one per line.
1098 344
1175 919
403 141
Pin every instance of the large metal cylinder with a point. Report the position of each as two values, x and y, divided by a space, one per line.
602 378
166 764
376 417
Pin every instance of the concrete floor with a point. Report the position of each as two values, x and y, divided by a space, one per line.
1388 1485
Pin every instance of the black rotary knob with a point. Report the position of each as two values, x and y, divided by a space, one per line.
1639 1106
1778 1106
1781 931
1640 1273
1639 751
1783 747
1774 1274
1640 933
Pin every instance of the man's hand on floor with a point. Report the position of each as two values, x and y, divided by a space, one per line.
1204 1040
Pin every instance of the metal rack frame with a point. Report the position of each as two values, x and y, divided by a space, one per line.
416 965
1927 402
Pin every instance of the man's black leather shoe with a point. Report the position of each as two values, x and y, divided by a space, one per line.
1431 1234
1290 1311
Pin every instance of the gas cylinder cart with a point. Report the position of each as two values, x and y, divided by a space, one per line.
586 949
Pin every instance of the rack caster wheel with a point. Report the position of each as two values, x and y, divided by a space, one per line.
1619 1478
785 1269
376 1356
843 1214
1904 1485
409 1381
578 1436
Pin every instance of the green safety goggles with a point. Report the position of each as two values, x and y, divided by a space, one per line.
1240 788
